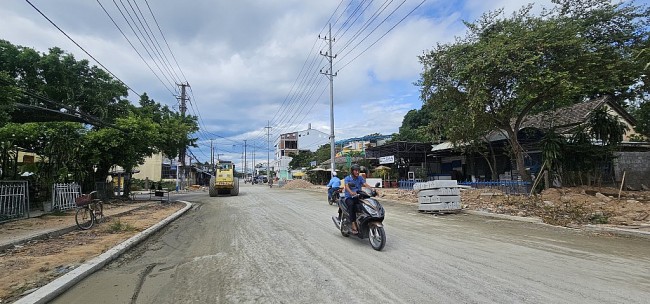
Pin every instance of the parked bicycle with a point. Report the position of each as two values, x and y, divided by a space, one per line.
90 210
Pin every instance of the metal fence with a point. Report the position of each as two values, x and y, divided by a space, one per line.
507 187
63 196
14 200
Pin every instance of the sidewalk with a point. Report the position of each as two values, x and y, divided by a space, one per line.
36 256
50 225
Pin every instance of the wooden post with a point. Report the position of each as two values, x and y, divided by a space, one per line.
622 183
546 180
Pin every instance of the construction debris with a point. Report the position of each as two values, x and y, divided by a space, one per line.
297 184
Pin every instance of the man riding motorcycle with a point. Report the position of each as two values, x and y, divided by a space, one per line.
353 183
332 186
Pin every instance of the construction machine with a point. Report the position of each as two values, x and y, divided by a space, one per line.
224 180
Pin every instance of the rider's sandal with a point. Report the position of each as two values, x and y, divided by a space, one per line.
353 231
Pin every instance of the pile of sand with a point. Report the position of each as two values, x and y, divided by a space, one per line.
297 184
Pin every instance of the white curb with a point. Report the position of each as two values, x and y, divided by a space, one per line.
61 284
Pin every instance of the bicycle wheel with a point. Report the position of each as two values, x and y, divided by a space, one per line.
84 218
98 210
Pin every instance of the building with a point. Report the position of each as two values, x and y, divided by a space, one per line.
358 145
289 144
451 161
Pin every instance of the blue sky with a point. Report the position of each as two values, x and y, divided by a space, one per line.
242 58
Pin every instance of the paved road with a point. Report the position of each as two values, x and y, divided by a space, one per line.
280 246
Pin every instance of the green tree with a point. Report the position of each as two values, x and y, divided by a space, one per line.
642 115
302 159
510 67
322 153
70 150
8 96
415 126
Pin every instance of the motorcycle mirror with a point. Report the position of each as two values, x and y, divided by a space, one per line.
377 185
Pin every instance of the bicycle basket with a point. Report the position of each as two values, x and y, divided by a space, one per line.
83 200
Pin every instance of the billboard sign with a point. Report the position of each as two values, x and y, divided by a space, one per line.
387 159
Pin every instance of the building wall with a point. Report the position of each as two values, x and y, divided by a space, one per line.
630 129
311 139
152 168
636 167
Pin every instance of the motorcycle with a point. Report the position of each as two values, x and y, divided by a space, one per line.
370 216
336 195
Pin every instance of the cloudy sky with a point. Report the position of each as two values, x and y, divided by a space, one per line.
252 62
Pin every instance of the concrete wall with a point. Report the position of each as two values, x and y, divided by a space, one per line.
636 166
152 168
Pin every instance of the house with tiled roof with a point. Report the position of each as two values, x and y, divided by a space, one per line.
632 157
566 120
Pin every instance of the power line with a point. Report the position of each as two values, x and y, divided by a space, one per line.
172 84
373 30
382 36
134 48
84 50
154 41
161 34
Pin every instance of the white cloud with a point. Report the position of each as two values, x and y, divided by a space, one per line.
242 58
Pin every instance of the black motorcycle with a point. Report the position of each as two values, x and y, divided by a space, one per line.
335 196
370 216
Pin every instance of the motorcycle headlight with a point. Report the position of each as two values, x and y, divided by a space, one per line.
371 209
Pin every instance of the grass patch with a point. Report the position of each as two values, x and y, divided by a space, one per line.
118 226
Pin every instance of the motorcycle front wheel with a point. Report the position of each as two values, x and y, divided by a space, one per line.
343 230
377 238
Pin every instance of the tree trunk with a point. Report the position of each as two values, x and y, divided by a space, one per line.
518 152
493 167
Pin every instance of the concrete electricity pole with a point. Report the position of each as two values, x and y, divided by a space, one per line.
212 156
330 74
245 161
181 154
268 149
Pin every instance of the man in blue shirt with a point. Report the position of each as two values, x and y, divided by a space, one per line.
333 185
353 183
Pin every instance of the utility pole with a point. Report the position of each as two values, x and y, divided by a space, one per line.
330 74
268 149
245 161
181 153
212 156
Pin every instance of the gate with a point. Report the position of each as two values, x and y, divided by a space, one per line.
14 200
63 196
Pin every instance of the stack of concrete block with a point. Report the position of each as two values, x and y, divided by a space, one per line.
438 196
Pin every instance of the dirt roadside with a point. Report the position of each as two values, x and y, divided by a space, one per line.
568 207
38 262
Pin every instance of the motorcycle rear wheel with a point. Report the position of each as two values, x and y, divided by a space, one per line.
377 238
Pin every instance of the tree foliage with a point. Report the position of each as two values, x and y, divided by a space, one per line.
415 126
70 150
302 160
509 67
642 115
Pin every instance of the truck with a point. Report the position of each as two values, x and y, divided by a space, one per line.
224 181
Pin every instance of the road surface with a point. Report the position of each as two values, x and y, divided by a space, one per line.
280 246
